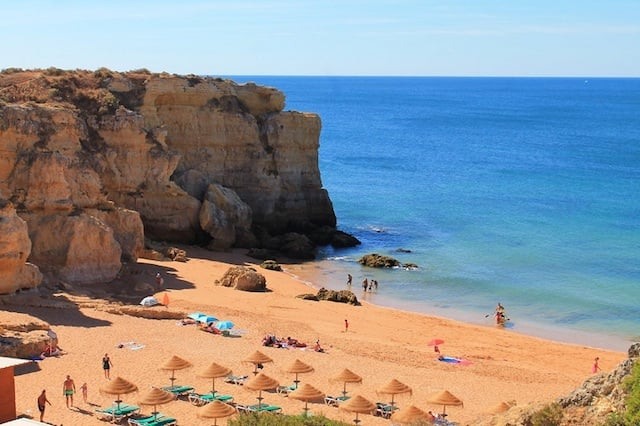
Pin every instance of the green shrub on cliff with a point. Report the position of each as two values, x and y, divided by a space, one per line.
551 415
632 387
255 419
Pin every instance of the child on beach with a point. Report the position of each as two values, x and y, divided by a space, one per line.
346 325
84 388
596 367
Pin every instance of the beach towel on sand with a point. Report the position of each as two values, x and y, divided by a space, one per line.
453 360
149 301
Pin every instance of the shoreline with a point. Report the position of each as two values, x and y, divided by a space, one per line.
381 344
309 272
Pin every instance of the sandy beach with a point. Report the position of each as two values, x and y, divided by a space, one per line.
381 344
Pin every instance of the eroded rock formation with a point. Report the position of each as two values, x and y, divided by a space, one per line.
95 161
243 278
15 272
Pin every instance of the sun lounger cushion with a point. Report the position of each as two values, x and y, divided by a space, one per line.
178 389
165 421
118 413
202 399
146 420
265 408
260 408
286 389
385 410
236 380
335 400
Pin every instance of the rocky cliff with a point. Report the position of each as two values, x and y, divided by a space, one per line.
94 162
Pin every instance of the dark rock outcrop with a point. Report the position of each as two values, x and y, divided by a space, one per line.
271 265
375 260
342 296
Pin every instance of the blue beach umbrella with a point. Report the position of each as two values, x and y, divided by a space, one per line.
224 325
194 316
203 318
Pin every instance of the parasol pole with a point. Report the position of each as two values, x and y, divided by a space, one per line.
344 390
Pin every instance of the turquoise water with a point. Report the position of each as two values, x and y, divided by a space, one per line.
518 190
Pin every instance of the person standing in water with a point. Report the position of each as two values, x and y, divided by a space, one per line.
349 280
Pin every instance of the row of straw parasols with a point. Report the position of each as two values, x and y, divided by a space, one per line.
260 382
156 396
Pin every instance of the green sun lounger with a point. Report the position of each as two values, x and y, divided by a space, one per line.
178 390
116 413
145 420
266 408
202 399
385 410
286 390
164 421
335 400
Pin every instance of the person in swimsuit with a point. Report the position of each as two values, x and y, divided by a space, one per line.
68 389
106 366
85 391
42 400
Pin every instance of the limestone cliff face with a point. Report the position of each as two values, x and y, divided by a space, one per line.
15 247
95 161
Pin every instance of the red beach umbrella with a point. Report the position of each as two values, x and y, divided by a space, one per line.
435 342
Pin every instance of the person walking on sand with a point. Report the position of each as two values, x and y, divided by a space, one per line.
596 367
85 391
68 389
346 325
106 366
159 281
42 400
349 280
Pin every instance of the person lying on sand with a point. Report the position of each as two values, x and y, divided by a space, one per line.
210 328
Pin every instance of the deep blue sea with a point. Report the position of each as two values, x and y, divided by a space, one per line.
524 191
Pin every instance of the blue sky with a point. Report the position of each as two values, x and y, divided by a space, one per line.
327 37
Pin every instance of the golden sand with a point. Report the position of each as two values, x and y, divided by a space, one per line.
381 344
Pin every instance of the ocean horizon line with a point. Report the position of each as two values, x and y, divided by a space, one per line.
518 77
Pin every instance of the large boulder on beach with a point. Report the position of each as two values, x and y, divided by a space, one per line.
342 296
375 260
243 278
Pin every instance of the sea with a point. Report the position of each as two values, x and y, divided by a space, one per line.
523 191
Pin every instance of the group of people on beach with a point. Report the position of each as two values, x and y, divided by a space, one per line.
367 285
69 388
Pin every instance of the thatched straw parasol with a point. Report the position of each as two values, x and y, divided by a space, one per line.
393 388
214 371
261 382
307 393
298 367
156 397
215 410
358 405
118 386
347 376
444 398
257 358
499 408
410 414
173 364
